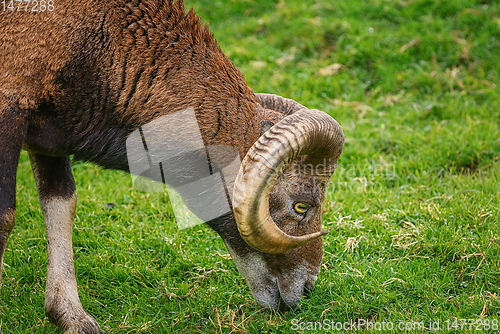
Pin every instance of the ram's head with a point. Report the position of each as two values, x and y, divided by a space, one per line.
272 223
277 203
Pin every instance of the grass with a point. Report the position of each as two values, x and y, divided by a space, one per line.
413 208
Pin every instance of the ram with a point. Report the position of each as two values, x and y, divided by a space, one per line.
84 77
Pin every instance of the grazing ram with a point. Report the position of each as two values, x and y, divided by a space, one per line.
80 78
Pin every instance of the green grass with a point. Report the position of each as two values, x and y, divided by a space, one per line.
413 208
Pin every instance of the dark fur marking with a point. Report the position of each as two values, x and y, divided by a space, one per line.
133 88
54 176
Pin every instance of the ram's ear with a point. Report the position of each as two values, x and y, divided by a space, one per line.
264 126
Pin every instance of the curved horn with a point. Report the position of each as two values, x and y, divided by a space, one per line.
280 104
304 132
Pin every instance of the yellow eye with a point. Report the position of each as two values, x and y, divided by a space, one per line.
301 207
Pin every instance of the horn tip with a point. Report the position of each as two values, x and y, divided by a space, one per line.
324 232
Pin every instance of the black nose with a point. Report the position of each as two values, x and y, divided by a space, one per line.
308 289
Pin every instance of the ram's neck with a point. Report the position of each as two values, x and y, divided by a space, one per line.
166 61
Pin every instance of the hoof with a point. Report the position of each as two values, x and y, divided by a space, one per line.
87 325
76 322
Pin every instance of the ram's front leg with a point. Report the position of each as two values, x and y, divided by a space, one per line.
56 189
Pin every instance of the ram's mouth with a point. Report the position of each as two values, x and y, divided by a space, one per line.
283 307
279 304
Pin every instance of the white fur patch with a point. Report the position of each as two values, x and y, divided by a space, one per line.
61 278
266 287
262 284
62 303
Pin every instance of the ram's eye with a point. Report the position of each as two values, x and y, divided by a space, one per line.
301 208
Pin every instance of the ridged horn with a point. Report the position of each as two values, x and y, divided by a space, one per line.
302 132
